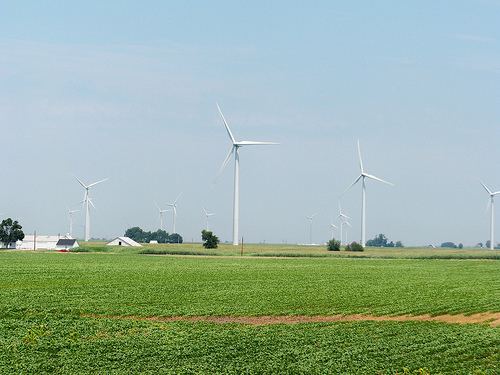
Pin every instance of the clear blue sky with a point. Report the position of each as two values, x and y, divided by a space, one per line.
128 89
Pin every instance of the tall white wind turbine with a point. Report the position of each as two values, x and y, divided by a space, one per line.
174 212
70 215
343 220
160 214
87 202
235 150
207 215
362 177
310 218
492 219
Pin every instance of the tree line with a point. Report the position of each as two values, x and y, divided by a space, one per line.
161 236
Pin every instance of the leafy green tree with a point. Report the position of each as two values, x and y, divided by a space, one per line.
175 238
378 241
211 241
333 245
137 234
354 246
399 244
10 232
460 245
449 244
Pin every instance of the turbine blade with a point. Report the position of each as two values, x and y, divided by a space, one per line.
360 159
176 199
348 224
350 186
486 188
81 183
224 163
205 211
98 182
333 226
378 179
255 143
91 203
226 125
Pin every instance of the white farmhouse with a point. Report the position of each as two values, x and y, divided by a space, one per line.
123 241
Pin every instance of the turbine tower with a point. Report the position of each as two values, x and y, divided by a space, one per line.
70 215
174 212
492 219
310 218
343 220
87 202
362 177
207 215
160 213
235 150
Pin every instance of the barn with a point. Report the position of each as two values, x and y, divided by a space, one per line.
123 241
40 242
66 244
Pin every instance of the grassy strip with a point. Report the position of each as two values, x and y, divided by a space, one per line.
175 252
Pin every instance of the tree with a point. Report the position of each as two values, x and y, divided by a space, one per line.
210 240
460 245
333 245
10 232
378 241
449 244
399 244
175 238
137 234
354 246
487 245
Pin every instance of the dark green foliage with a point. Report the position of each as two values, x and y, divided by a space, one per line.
354 246
449 244
333 245
10 232
382 241
139 235
460 245
210 240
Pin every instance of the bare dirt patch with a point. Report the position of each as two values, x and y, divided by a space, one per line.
493 319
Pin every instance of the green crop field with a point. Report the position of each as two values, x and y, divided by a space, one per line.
88 312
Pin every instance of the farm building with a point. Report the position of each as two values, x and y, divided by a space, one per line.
66 244
40 242
123 241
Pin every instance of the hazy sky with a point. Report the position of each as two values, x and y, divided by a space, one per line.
127 90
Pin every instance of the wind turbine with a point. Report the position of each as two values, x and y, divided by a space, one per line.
70 214
207 215
333 226
362 177
235 150
492 220
343 220
86 202
160 213
310 218
174 211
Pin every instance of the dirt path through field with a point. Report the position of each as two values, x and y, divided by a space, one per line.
488 317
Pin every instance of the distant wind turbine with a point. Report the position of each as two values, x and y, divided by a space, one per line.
235 150
310 218
333 226
174 211
492 219
70 215
86 202
362 177
343 220
160 214
207 215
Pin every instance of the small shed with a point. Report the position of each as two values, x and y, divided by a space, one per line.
66 244
123 241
